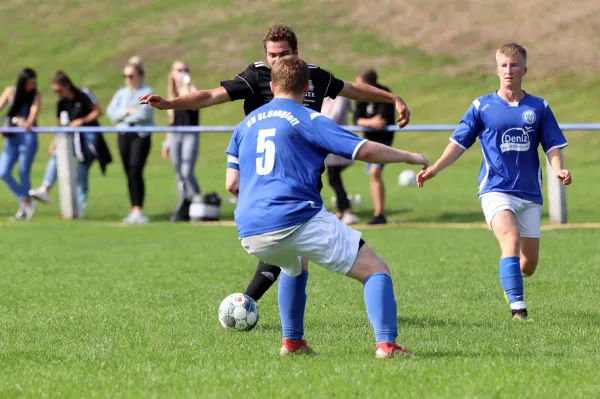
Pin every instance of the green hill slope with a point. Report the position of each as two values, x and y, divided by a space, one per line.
437 55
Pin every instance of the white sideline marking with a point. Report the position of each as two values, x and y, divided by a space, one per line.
231 223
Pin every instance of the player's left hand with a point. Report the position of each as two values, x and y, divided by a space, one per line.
424 175
403 111
565 176
23 123
28 125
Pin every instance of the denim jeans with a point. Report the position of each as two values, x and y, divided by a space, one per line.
82 183
19 148
184 154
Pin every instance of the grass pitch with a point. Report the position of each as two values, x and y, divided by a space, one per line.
94 310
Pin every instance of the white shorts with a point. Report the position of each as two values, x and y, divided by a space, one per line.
323 239
528 213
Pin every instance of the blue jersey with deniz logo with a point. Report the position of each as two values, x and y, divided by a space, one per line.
510 134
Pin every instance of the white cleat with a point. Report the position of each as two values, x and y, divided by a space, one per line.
26 211
136 218
40 194
349 218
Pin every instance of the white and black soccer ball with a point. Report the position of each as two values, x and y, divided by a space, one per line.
407 178
238 312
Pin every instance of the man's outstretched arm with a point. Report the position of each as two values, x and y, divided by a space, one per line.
195 100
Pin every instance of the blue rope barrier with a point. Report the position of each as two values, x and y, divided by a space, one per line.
229 129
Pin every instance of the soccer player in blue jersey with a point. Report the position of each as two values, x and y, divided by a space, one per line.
510 125
273 165
253 86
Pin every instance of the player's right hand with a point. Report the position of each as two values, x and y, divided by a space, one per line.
404 113
418 159
154 100
565 176
424 175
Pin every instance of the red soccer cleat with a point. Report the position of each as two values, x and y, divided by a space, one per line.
389 349
292 347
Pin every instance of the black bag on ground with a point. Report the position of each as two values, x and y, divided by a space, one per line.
206 207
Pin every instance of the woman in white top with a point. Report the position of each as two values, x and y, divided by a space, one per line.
337 110
125 110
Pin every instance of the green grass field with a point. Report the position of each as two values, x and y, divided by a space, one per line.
93 308
97 310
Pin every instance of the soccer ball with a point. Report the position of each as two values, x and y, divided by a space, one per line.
238 312
407 178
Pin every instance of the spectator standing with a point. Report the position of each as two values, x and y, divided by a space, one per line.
182 148
21 148
337 110
82 109
125 111
376 116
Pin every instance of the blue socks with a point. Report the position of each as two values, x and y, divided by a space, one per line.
292 303
381 306
512 281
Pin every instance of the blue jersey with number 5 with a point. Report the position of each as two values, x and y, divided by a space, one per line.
279 151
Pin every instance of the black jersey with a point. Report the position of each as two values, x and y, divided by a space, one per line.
386 110
253 86
80 106
186 117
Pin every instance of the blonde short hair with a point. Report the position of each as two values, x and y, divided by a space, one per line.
290 74
511 49
135 60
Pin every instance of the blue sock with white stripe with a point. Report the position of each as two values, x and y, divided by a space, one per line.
381 306
292 303
512 281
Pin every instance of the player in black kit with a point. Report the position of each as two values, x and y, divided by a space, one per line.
252 85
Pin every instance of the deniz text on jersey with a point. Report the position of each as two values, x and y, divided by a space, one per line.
273 114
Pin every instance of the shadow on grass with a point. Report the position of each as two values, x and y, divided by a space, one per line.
428 322
160 217
366 214
267 327
118 217
453 217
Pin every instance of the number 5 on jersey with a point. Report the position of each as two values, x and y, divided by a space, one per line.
266 148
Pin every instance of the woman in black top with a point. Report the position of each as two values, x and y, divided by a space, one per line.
182 147
75 107
21 148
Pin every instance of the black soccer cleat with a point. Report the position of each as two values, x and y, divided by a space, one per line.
379 219
519 314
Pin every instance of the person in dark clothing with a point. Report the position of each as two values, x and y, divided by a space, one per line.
82 109
376 116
